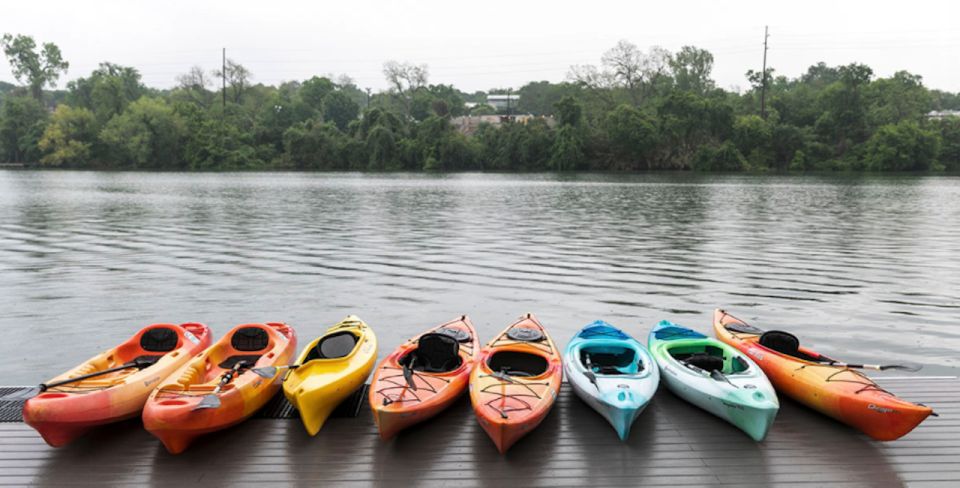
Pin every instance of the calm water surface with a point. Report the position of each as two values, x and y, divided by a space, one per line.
865 268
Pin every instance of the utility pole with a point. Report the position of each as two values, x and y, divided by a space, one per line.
368 97
223 78
509 91
763 74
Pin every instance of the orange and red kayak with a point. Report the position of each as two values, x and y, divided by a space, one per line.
174 414
822 383
516 381
62 413
423 376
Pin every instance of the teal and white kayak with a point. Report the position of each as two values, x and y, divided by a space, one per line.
715 377
611 372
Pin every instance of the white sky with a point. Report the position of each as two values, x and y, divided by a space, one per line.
490 43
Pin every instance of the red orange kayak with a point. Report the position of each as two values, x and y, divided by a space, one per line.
423 376
63 413
809 378
174 414
515 382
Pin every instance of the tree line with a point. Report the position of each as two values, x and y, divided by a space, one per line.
635 110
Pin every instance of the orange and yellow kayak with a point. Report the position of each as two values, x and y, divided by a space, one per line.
423 376
174 414
515 382
62 413
822 383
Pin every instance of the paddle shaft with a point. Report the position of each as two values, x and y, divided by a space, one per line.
46 386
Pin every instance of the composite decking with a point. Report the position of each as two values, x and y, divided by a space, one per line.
672 444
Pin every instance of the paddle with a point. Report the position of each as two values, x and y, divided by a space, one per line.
269 372
408 373
42 387
717 375
589 372
912 368
212 400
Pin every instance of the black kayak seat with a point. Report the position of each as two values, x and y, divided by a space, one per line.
250 339
782 342
334 346
159 339
706 362
436 353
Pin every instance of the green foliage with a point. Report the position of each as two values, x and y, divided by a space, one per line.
22 123
107 91
902 147
68 138
340 109
148 135
725 157
632 138
35 68
950 149
312 145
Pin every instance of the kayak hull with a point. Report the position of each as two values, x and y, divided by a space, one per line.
319 385
396 406
508 407
62 414
742 395
620 396
171 414
841 393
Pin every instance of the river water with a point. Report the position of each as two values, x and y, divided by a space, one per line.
866 268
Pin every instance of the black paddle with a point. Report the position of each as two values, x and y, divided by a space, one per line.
212 400
589 372
408 373
42 387
912 368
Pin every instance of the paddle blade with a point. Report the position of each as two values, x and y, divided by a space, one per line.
908 367
22 395
208 401
267 372
408 375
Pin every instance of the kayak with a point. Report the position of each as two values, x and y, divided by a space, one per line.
329 370
62 413
217 388
715 377
423 376
822 383
611 372
515 381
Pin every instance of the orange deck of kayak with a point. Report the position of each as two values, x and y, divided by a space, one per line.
63 413
396 406
169 413
842 393
509 410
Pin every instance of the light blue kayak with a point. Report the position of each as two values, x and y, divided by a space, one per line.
611 372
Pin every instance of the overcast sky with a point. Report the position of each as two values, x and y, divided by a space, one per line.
490 43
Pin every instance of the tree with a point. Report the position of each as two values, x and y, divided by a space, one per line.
69 137
950 147
313 91
35 68
22 122
632 136
340 109
691 68
237 78
895 99
405 79
902 147
107 91
148 134
725 157
312 145
568 148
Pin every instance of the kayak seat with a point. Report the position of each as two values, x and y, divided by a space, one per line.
250 339
782 342
232 361
159 339
706 362
435 353
333 346
516 363
611 360
147 359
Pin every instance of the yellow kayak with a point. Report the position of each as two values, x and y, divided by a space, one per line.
329 370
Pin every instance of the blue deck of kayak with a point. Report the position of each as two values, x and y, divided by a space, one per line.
673 444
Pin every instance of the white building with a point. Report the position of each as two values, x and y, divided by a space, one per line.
943 114
503 102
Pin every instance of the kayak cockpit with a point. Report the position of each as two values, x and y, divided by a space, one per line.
333 346
435 353
516 363
610 360
708 358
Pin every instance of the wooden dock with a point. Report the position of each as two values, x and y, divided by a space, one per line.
672 444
